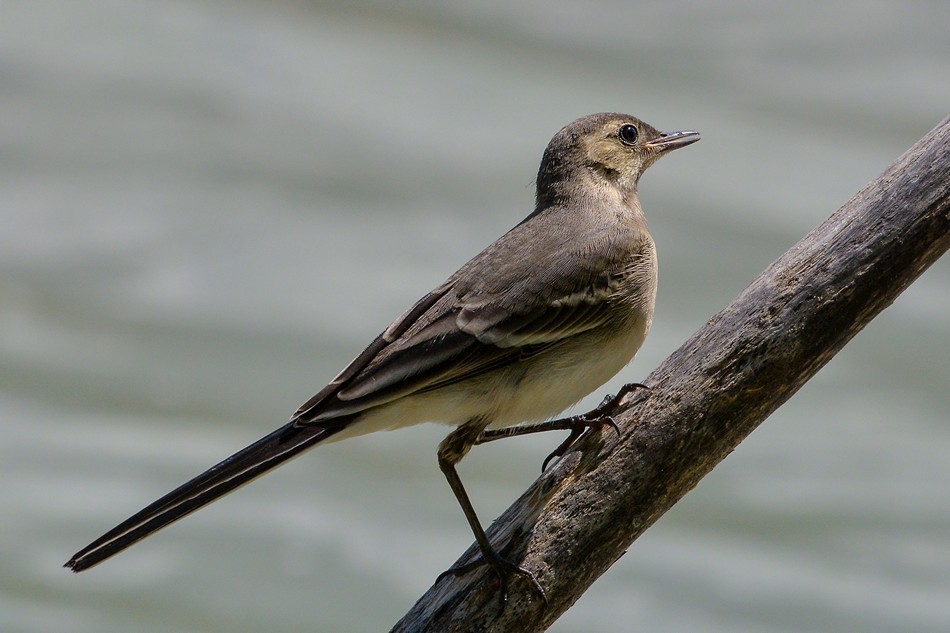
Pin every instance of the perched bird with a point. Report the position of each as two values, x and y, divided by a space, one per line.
529 326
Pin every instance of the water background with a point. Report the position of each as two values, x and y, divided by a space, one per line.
207 208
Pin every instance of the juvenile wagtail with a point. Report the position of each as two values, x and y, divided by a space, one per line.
539 319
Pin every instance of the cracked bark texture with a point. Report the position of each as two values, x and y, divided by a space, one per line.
582 515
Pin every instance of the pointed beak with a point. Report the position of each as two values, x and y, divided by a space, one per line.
672 140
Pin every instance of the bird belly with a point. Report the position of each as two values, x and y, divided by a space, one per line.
533 390
553 382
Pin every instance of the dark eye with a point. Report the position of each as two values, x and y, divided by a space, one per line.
628 134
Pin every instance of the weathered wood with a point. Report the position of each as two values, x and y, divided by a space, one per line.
581 515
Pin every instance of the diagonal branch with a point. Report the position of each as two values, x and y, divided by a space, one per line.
581 515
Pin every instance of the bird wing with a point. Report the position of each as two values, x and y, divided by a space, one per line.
483 318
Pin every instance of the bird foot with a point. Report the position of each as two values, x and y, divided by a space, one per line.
503 570
596 419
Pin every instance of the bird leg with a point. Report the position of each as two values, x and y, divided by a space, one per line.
577 424
451 451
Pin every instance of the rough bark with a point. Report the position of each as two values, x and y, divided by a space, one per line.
581 515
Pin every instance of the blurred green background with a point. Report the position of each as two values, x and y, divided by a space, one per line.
209 207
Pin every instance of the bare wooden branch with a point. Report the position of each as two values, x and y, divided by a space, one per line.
581 515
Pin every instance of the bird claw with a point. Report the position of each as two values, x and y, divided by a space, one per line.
502 570
610 402
562 447
598 418
583 422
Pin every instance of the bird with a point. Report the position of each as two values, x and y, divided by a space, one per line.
536 321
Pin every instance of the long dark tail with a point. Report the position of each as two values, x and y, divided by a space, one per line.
245 465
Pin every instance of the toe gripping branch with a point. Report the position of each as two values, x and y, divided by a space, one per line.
598 418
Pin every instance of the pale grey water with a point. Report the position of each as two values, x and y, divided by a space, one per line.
208 208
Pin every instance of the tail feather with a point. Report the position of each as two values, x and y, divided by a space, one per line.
245 465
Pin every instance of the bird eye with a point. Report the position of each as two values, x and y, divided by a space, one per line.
628 134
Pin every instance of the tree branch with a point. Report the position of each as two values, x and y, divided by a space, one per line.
581 515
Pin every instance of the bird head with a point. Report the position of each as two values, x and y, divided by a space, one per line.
603 151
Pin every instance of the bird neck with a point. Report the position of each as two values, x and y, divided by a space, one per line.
591 189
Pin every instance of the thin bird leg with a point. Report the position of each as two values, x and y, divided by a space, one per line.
451 451
577 424
563 424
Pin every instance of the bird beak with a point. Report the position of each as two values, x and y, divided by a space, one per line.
672 140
